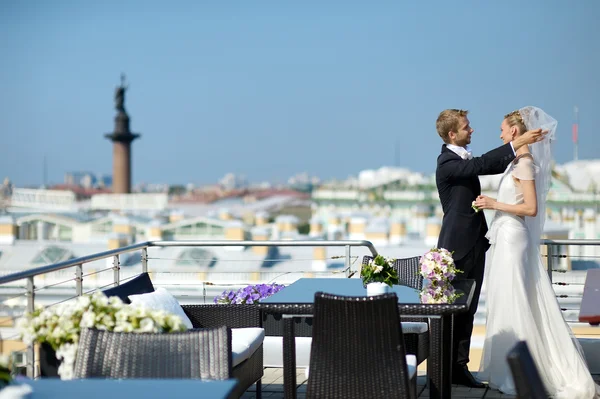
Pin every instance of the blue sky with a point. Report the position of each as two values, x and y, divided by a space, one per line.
272 88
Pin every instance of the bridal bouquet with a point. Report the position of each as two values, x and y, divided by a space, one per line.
379 270
249 294
438 270
438 265
60 325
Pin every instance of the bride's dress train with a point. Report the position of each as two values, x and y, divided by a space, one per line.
521 305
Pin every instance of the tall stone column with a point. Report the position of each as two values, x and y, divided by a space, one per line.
121 138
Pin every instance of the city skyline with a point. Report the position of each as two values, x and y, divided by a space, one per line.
270 90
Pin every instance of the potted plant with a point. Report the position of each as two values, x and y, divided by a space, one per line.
378 275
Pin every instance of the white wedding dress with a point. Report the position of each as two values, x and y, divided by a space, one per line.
521 303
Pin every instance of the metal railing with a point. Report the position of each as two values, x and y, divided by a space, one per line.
78 263
552 254
552 246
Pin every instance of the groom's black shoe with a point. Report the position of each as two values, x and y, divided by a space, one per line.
462 376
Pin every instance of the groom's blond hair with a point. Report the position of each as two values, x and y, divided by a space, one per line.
448 121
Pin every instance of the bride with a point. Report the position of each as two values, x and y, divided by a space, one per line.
520 301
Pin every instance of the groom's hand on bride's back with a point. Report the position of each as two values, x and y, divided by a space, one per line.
529 137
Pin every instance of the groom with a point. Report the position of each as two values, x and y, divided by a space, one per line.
463 230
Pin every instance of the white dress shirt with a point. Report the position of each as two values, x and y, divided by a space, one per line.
463 152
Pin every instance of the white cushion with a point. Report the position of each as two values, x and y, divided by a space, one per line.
414 327
161 299
411 362
273 351
244 342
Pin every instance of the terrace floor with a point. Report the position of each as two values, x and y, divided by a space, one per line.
272 387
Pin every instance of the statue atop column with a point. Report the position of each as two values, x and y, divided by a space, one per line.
120 95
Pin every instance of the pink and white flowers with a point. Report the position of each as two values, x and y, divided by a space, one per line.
438 270
438 264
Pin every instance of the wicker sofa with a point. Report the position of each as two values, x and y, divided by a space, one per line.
250 370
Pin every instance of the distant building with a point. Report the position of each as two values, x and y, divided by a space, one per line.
231 182
410 204
82 179
303 182
6 188
105 181
87 180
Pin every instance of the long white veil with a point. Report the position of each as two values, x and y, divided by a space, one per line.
535 118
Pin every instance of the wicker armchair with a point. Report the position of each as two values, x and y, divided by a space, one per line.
408 272
358 349
201 354
525 373
415 330
248 372
197 353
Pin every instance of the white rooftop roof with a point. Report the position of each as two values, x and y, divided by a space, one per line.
582 174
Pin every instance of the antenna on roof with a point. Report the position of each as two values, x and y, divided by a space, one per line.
45 172
576 133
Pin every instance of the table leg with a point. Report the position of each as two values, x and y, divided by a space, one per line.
289 358
447 324
439 363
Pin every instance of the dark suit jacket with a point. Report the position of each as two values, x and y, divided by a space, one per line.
458 185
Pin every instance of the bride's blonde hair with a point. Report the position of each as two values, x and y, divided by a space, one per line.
515 119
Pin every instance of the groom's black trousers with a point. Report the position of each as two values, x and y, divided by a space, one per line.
473 265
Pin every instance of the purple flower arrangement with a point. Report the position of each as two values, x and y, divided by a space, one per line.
249 294
438 270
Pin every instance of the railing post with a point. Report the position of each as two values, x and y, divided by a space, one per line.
145 260
550 254
116 268
79 279
348 263
30 308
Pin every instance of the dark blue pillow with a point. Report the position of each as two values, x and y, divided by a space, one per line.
137 285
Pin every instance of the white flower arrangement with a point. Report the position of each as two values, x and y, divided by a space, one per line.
379 270
475 207
60 325
438 270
